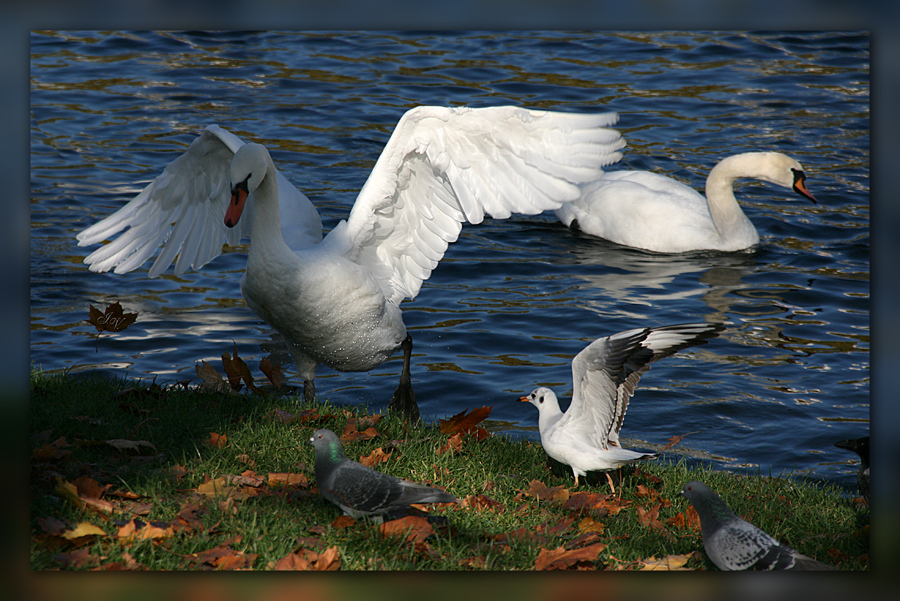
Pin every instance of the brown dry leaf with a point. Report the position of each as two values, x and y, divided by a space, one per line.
590 525
67 490
189 517
352 432
562 559
288 479
464 421
666 564
479 502
414 528
237 370
521 534
78 558
88 487
475 563
113 319
272 371
539 490
306 559
217 487
675 440
217 441
129 445
375 457
52 526
223 558
650 517
52 451
341 522
687 519
587 502
211 380
138 530
454 445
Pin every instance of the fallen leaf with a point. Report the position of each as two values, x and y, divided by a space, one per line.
223 558
562 559
272 371
650 517
479 502
539 490
688 519
352 432
69 491
454 445
236 370
590 525
375 457
217 441
414 528
288 479
341 522
129 445
464 421
78 558
582 502
675 440
81 532
211 380
113 319
306 559
88 487
667 563
52 525
217 487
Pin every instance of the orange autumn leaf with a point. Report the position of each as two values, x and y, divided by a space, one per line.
375 457
650 517
687 519
306 559
481 502
454 445
288 479
464 421
217 441
352 432
113 319
539 490
668 563
562 559
341 522
88 487
414 528
211 380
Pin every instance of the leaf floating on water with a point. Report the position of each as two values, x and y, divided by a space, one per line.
113 319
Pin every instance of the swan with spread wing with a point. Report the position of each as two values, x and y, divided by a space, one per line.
336 300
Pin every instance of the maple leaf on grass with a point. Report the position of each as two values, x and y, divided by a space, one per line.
666 564
307 559
69 491
562 559
539 490
217 441
465 422
453 446
375 457
211 380
352 432
414 528
82 533
113 319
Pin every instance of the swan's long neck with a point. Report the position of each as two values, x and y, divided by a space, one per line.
265 234
724 209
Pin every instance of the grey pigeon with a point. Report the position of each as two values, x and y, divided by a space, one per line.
735 544
604 376
860 446
360 490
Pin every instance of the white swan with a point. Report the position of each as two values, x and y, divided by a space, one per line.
337 302
604 376
649 211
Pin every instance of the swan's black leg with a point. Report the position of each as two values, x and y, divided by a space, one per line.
309 391
404 399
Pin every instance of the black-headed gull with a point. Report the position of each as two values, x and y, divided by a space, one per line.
653 212
604 376
337 301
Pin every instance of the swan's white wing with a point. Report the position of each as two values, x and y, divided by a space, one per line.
443 166
183 210
608 370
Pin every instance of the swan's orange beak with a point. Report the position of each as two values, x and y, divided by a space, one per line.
800 186
236 206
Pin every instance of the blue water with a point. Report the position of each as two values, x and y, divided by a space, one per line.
512 301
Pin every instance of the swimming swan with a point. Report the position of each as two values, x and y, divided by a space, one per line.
653 212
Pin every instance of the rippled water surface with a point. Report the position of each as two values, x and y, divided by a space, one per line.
512 301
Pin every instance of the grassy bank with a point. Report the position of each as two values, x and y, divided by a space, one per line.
141 477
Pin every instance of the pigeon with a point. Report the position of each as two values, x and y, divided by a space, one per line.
860 446
734 544
605 374
359 490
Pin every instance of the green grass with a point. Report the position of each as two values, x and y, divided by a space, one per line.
263 524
